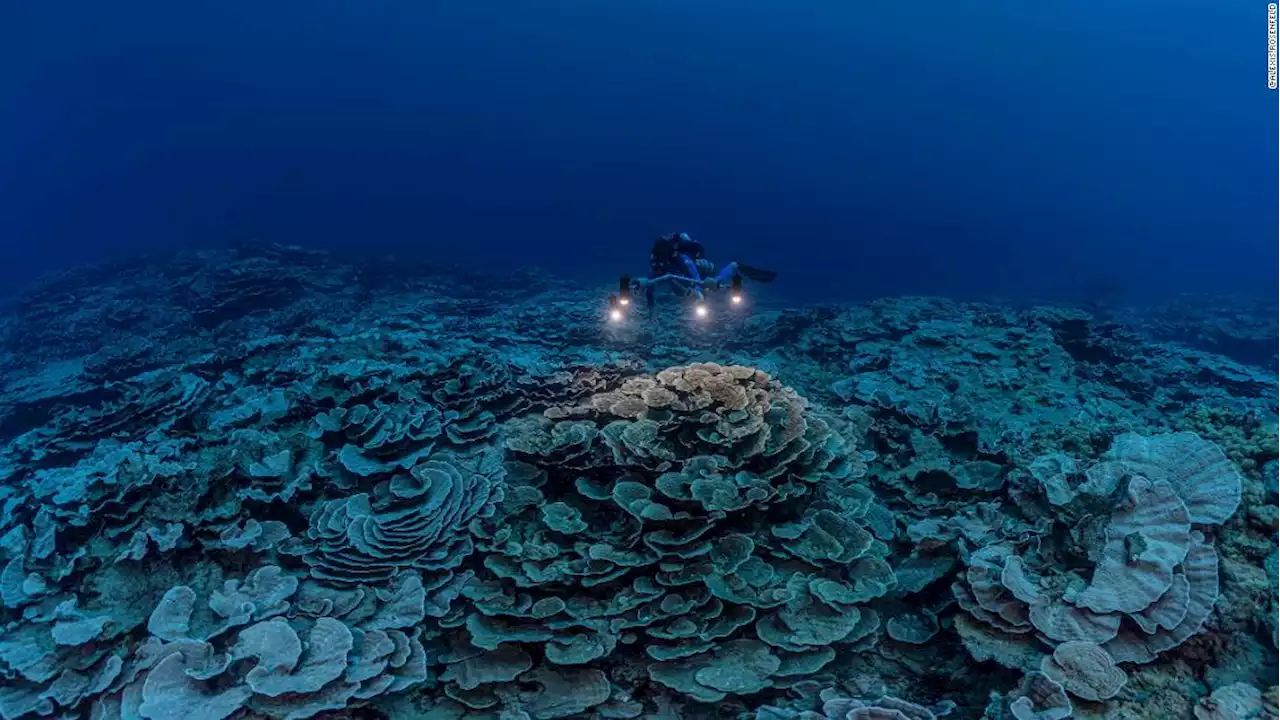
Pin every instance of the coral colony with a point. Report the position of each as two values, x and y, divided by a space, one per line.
267 484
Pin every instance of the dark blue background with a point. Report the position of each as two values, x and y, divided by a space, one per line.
861 148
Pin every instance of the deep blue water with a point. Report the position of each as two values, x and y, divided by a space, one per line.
1026 149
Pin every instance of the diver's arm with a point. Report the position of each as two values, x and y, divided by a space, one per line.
669 277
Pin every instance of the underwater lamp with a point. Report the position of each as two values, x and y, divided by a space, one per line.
624 290
619 301
615 308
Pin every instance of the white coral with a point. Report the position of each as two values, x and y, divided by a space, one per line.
1197 469
1085 670
1201 570
1238 701
1040 697
1146 538
172 617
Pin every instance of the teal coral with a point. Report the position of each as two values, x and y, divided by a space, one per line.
629 563
418 520
416 494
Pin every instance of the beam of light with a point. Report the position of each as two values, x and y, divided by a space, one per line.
700 311
624 301
615 315
736 299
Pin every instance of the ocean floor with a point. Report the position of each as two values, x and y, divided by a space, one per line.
264 482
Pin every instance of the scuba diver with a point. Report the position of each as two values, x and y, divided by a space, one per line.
679 262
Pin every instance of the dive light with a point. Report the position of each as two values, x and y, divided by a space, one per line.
624 290
619 301
735 289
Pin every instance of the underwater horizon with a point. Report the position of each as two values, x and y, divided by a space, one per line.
657 361
1064 151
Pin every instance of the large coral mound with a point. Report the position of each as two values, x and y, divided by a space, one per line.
699 526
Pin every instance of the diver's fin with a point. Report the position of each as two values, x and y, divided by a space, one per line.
752 273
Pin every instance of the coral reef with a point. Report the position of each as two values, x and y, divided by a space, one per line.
268 483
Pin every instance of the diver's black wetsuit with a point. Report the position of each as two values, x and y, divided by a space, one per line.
665 258
671 254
